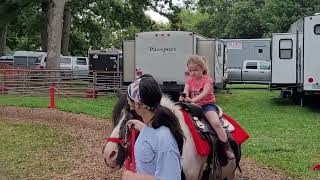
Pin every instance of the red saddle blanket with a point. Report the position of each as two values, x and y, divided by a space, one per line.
202 146
239 134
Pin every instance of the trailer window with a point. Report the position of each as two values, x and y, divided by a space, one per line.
285 48
260 51
252 65
317 29
219 49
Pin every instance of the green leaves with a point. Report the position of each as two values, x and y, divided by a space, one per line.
252 18
95 24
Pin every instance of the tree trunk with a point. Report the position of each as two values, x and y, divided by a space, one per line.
3 37
66 31
56 8
44 29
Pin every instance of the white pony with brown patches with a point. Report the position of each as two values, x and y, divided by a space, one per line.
193 165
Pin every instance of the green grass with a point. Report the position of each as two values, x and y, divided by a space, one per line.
100 107
22 149
282 135
247 86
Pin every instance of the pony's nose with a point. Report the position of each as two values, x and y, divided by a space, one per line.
113 155
111 158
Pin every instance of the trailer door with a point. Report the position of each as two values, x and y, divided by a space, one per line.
219 60
206 48
284 63
128 61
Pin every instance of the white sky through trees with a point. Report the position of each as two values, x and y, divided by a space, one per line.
157 17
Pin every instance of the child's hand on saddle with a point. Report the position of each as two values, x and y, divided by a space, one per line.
181 98
138 125
192 101
188 99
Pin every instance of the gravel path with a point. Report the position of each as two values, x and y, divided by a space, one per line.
91 132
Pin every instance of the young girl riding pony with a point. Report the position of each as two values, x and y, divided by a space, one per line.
199 90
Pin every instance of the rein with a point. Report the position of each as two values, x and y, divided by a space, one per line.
129 163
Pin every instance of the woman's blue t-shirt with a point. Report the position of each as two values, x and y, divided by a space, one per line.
157 154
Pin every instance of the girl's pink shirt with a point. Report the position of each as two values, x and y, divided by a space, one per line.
196 87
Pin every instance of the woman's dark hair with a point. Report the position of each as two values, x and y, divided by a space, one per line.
150 95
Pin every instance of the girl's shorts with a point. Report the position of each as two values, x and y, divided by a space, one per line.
209 107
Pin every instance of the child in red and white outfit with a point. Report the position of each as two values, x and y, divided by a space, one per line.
199 90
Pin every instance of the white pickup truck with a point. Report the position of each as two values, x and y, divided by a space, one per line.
252 71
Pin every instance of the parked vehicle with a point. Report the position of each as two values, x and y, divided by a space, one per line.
252 71
164 55
29 59
6 62
105 60
78 66
74 63
295 59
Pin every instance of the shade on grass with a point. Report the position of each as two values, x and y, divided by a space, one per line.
23 146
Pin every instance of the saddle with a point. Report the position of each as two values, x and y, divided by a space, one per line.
200 120
206 131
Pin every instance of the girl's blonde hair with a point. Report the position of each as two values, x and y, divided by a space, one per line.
200 61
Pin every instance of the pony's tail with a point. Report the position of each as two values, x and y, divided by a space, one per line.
237 152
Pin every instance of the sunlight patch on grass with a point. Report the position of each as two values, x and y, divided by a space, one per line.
282 135
100 107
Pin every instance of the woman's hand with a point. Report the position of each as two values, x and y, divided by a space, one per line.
138 125
127 175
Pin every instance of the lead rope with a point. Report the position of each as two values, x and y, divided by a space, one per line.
130 163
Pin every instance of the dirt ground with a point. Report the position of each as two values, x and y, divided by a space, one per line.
91 132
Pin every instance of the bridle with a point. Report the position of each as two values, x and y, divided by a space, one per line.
123 142
129 163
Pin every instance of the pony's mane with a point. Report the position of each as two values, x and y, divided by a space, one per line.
122 102
116 112
167 102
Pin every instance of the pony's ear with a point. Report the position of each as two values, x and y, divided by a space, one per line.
119 93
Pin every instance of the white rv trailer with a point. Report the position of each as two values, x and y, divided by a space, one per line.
295 59
240 50
164 55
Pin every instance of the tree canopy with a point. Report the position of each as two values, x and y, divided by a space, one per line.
106 23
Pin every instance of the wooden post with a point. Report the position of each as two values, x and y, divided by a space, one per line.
52 100
94 83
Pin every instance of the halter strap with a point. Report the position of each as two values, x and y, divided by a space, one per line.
130 163
115 140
